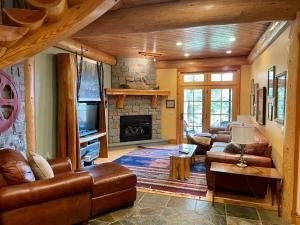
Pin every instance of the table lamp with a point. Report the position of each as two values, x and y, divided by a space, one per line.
242 134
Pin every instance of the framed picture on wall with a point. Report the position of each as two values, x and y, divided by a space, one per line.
280 96
261 106
256 86
271 82
170 104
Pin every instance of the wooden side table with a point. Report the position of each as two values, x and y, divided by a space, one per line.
270 173
180 163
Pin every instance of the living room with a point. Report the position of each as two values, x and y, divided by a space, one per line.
189 118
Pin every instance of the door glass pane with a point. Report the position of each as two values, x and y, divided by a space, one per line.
220 107
192 111
216 94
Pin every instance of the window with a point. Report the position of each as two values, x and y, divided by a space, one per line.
228 76
220 107
192 77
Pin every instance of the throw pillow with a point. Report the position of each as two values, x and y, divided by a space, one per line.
17 172
41 168
233 148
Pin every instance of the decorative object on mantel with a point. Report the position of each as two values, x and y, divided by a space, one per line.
122 93
261 106
9 102
280 95
271 80
156 88
170 104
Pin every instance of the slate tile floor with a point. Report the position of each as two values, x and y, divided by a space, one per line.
155 209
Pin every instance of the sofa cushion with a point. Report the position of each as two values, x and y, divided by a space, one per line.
16 172
109 178
218 147
40 167
256 148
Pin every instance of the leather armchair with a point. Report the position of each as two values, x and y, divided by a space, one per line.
62 200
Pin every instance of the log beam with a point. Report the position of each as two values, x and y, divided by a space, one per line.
270 35
48 35
184 14
291 144
29 105
89 52
203 64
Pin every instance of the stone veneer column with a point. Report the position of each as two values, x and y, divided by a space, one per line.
133 105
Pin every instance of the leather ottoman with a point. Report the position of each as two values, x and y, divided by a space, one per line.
113 187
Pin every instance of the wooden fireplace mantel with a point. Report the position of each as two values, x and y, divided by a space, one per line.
122 93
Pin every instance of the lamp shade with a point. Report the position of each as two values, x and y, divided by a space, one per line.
242 134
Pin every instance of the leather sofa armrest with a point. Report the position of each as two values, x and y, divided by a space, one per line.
251 160
16 196
60 165
215 130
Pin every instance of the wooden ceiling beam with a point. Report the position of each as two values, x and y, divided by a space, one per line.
184 14
270 35
74 19
89 52
200 64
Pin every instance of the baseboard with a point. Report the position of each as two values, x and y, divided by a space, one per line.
172 141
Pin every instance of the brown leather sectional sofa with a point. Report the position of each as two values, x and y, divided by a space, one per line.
257 154
71 197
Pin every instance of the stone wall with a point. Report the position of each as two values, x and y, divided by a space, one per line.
15 136
136 70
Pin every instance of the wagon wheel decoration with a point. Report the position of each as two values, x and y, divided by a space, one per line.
9 102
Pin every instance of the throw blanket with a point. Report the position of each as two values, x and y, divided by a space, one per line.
202 140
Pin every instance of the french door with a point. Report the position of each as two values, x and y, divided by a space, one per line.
204 107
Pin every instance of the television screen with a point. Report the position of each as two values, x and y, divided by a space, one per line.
88 118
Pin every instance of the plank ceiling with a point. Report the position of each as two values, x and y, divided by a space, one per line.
199 42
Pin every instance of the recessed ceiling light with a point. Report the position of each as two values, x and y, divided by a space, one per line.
232 39
133 47
228 52
186 54
179 43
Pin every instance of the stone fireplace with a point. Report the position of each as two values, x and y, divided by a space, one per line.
136 69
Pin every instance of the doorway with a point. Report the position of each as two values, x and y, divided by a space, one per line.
206 100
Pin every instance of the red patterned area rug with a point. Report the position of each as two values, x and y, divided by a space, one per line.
151 165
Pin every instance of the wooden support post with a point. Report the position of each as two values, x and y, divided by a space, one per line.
292 127
30 105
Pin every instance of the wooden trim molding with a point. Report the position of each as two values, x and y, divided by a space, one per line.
74 19
30 105
189 13
206 65
74 46
270 35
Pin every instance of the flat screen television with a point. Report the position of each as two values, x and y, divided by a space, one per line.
88 118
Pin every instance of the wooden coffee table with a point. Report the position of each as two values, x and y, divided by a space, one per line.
180 163
271 173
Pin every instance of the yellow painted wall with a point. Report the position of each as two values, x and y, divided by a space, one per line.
167 79
245 90
275 55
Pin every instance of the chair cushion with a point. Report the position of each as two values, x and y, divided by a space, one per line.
40 167
109 178
16 172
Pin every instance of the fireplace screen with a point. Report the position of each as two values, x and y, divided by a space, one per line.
135 128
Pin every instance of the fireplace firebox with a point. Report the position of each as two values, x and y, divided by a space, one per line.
135 128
